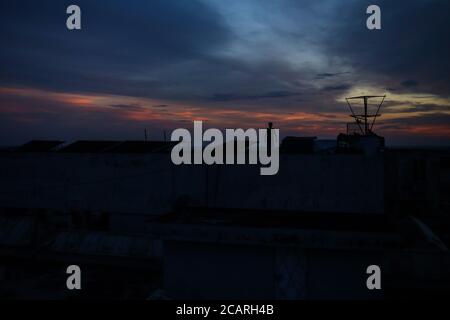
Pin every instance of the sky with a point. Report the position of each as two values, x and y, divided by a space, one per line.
161 64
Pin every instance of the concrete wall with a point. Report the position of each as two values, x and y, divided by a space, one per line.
209 271
205 271
151 184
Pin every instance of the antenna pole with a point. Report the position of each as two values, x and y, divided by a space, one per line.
353 113
359 118
378 110
365 116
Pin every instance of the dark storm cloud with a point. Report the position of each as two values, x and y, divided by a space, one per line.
129 107
341 87
268 95
172 49
435 120
330 75
410 83
414 42
123 47
416 108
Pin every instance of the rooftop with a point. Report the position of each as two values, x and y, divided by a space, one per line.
277 219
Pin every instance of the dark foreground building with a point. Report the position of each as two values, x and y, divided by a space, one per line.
140 227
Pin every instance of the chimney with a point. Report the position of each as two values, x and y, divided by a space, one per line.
269 139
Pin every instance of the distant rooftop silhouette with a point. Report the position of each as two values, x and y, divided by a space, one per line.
40 146
90 146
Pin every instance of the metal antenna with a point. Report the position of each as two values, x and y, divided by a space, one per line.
364 118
